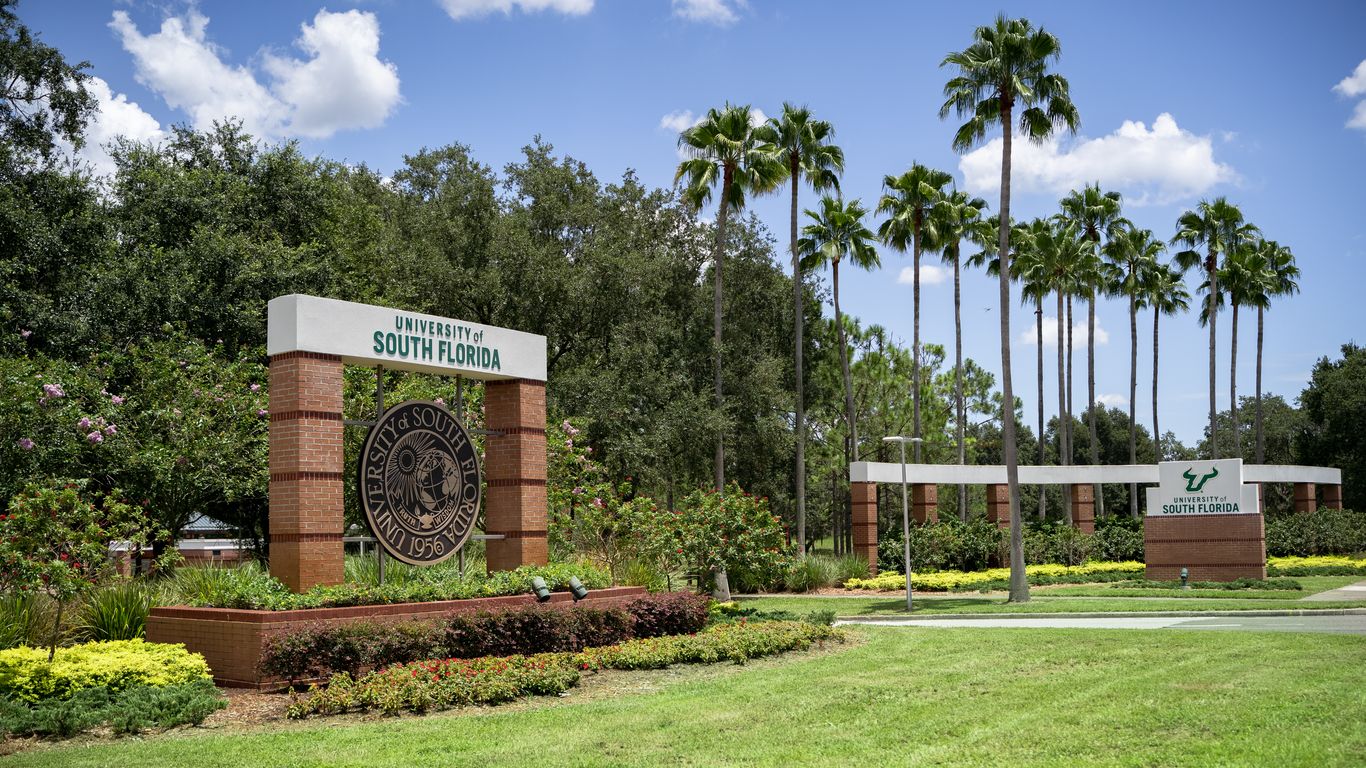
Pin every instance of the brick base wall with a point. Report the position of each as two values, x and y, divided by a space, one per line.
925 503
232 641
865 522
1212 547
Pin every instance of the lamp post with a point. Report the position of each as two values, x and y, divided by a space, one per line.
905 510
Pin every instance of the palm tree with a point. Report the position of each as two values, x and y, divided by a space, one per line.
835 233
1095 213
803 146
957 217
1035 288
1131 256
1218 226
1239 276
723 147
1277 277
1164 291
1005 68
909 200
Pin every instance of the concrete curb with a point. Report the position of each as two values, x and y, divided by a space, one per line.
1105 615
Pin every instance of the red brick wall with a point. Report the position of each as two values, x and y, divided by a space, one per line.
998 505
1084 507
515 473
925 503
1212 547
865 522
306 516
232 641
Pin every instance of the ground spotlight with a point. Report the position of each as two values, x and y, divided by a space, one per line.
577 588
542 591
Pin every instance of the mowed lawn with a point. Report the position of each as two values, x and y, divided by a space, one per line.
888 603
901 696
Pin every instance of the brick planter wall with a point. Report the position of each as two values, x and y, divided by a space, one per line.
232 640
1212 547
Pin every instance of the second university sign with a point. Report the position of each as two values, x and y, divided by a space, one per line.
419 482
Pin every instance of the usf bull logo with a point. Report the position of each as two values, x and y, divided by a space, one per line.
1196 483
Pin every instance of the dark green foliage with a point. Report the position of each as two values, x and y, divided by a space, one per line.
117 611
1289 585
1323 532
1118 539
946 545
1334 406
131 711
323 650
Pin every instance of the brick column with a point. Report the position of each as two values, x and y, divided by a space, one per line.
1261 498
998 505
925 503
1332 497
515 473
1305 498
306 515
865 522
1084 507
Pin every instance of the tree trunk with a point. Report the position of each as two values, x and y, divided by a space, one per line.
1133 394
717 258
844 365
1261 446
915 332
56 632
959 409
799 321
1233 386
1019 584
1091 394
1043 454
1064 418
1157 433
1211 274
720 590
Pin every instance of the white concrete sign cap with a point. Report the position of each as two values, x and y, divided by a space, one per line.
364 334
1201 488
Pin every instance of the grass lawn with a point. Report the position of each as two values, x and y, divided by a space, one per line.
967 697
935 603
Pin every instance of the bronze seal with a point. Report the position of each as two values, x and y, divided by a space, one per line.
419 482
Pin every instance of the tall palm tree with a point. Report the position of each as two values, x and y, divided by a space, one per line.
1238 276
1131 256
1034 288
909 201
1004 69
1277 276
1059 264
803 146
1096 214
723 148
835 233
1218 226
958 217
1165 292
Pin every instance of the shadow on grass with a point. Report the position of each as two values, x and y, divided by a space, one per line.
933 605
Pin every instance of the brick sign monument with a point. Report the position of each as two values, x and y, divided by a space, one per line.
309 339
1203 518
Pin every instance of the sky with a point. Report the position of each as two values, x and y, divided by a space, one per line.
1264 103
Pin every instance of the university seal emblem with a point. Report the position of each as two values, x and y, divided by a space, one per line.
419 482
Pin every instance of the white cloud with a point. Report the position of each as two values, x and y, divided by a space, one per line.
342 85
719 12
1157 165
1354 84
117 116
470 9
757 117
1050 334
678 122
930 274
1112 401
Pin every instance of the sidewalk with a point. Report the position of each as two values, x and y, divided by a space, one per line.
1355 591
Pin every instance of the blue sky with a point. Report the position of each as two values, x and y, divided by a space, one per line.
1262 102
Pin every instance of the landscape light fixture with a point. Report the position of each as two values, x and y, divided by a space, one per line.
1185 574
577 588
542 591
905 510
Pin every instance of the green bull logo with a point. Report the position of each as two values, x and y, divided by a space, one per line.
1194 483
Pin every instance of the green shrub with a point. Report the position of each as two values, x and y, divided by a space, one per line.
1057 543
736 642
131 711
1117 539
25 619
806 574
1323 532
1289 585
945 545
117 611
25 673
848 567
248 585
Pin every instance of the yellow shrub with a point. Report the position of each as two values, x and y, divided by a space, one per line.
944 581
116 665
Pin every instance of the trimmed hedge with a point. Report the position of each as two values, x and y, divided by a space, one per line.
439 684
321 650
130 711
26 675
998 578
1323 532
1322 565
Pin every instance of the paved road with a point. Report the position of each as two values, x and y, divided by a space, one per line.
1342 625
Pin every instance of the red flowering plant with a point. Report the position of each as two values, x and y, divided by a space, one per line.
733 531
54 540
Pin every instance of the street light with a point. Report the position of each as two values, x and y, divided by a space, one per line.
905 510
